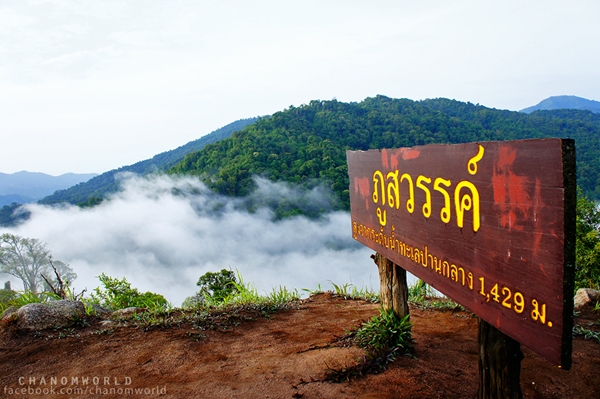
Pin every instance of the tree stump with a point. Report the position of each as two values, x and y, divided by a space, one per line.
393 288
499 364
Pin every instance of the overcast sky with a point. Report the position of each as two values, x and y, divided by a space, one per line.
88 86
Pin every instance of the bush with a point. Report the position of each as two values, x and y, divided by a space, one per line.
118 294
587 247
217 286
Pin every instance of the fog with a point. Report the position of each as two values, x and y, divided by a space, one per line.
162 233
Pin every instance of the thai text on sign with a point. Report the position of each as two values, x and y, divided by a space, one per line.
491 225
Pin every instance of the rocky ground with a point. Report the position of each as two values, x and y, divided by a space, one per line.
285 355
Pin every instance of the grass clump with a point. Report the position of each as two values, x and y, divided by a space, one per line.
350 291
385 332
384 337
423 296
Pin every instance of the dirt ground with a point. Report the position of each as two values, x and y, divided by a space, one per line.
286 355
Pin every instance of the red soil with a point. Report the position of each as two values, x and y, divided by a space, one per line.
285 356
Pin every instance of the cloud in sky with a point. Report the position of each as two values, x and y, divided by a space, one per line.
162 233
92 86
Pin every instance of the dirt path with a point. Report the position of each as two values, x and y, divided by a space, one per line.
285 356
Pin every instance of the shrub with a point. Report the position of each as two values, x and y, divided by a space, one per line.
587 247
385 332
118 294
217 286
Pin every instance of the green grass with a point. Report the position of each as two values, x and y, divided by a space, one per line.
22 298
422 296
586 333
384 337
350 291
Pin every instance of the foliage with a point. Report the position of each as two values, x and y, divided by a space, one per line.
7 295
11 215
118 294
586 333
419 291
217 286
423 296
307 145
224 288
27 259
384 337
385 332
587 247
350 291
21 298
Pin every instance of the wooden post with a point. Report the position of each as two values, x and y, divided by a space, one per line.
499 364
393 287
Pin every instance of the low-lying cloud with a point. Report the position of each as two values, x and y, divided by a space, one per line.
162 233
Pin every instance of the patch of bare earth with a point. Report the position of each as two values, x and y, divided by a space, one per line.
286 355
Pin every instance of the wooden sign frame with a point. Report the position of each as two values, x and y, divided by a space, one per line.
491 225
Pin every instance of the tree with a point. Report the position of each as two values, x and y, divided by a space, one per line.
587 247
67 275
27 259
218 285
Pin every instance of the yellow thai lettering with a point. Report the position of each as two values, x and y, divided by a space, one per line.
410 202
465 203
472 164
445 211
382 216
378 179
427 205
393 190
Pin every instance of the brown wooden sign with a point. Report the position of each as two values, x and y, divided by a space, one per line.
491 225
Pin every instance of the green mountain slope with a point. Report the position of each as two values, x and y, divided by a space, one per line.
101 185
307 144
565 102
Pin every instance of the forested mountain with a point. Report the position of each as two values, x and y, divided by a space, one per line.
565 102
95 189
307 144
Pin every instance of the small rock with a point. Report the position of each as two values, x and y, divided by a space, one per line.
106 323
101 311
122 313
10 310
585 296
54 314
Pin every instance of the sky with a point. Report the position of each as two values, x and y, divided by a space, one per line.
89 86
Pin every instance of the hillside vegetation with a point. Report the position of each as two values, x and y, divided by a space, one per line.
307 144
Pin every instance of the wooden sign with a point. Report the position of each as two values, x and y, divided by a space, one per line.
491 225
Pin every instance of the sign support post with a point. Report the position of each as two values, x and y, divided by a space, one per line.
499 364
393 287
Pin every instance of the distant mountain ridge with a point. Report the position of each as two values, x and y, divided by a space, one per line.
98 187
565 102
23 187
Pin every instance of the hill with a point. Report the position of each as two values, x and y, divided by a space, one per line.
565 102
9 199
307 144
281 355
31 186
101 185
